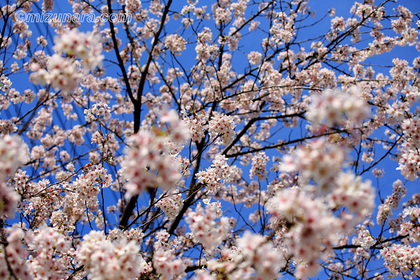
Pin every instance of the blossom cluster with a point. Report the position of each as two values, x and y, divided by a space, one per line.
261 255
338 108
357 196
391 202
175 43
410 225
320 161
364 238
81 200
218 173
148 162
222 128
252 257
259 162
306 208
167 264
170 205
5 84
410 157
85 46
107 144
98 111
205 229
65 73
15 254
196 124
106 259
13 154
313 228
400 259
53 254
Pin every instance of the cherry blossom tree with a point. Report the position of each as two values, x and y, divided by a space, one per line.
224 139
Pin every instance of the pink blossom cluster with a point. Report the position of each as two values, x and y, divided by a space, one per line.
134 76
76 135
203 49
81 200
16 255
132 6
196 124
13 154
5 84
47 5
54 254
313 228
252 257
357 196
338 108
85 46
170 205
258 168
239 9
218 173
9 200
254 57
7 127
64 73
203 275
399 109
322 162
319 160
409 158
99 111
148 161
402 259
107 145
176 128
364 238
167 264
38 196
409 163
410 224
282 28
338 23
391 202
402 26
260 254
221 12
175 43
231 262
222 128
106 259
204 228
133 234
